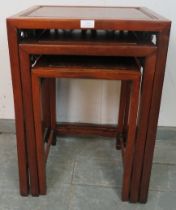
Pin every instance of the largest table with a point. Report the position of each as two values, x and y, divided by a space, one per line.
152 37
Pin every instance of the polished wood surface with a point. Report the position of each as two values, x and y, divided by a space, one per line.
113 68
90 13
163 42
144 109
105 18
148 24
87 62
90 49
29 128
19 113
56 49
89 129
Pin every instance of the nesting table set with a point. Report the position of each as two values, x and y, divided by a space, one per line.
114 43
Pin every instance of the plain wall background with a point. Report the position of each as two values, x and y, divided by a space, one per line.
90 101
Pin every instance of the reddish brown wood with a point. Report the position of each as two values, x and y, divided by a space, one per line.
24 48
29 123
61 73
37 96
127 19
121 115
147 83
46 103
82 129
86 74
19 113
49 105
153 23
90 49
123 110
52 91
116 13
122 106
126 113
154 113
130 143
50 140
119 72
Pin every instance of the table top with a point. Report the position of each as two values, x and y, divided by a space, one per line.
89 13
87 62
97 17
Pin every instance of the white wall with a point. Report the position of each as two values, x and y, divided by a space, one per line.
99 97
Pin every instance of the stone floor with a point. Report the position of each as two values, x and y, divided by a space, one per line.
85 174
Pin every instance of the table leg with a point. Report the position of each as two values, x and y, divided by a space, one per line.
19 112
154 113
30 130
41 161
146 92
52 91
123 111
45 107
130 144
49 106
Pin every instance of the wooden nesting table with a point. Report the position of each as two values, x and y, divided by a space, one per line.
102 31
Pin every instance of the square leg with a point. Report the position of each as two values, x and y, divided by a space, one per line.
37 104
129 147
123 112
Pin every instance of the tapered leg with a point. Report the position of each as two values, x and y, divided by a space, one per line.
130 144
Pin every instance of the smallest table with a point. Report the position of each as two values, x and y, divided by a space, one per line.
109 68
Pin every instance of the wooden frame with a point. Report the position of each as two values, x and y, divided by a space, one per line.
61 72
148 121
28 49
